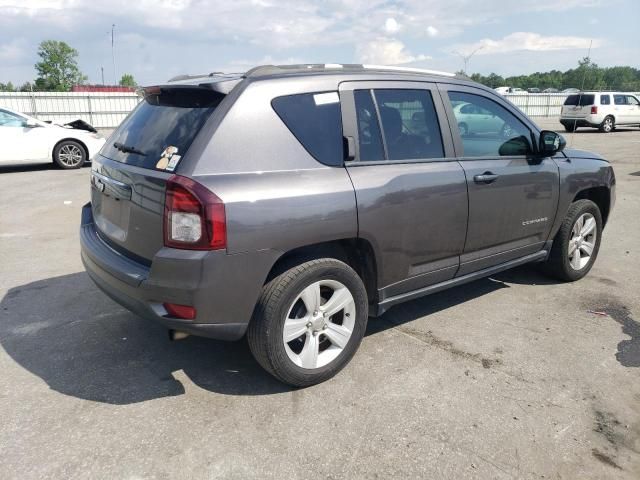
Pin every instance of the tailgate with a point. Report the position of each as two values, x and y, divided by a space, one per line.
129 176
128 206
578 105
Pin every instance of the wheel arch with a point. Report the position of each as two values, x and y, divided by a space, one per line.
358 253
601 196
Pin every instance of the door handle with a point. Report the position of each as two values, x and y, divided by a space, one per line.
486 177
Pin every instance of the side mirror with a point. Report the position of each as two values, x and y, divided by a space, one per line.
551 143
515 146
30 123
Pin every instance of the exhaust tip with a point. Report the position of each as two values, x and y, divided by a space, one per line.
175 335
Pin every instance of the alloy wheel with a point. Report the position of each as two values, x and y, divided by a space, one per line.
70 155
319 324
583 241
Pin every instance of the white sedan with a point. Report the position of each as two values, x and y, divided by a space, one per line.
25 139
473 119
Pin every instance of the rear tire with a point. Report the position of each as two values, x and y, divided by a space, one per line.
576 245
322 341
69 154
569 127
608 125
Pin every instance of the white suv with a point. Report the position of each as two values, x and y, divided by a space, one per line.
603 110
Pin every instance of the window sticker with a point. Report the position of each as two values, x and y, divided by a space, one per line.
326 98
166 159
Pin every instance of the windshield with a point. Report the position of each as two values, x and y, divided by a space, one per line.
167 120
581 99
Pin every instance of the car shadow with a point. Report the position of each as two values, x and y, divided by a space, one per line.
68 333
582 130
34 167
421 307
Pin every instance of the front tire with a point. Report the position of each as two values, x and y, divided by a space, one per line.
69 154
577 243
309 322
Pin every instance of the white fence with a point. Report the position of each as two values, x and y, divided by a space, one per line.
541 104
102 110
107 110
538 104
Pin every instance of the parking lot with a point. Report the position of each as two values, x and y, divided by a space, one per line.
514 376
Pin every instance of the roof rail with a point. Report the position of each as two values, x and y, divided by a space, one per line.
279 69
408 70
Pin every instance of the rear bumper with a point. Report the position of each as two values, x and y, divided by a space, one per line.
580 122
223 288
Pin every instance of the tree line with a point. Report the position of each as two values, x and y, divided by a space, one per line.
57 71
587 76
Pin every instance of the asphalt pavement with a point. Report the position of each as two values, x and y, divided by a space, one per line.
512 376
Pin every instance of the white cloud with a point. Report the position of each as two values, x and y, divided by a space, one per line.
386 51
189 35
391 26
534 42
432 31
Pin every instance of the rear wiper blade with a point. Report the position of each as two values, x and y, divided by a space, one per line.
127 149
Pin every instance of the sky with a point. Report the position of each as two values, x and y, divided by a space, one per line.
156 40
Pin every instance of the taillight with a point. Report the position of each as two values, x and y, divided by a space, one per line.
194 218
594 109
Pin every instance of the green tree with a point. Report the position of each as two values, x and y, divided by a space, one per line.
58 69
587 75
127 80
26 87
7 87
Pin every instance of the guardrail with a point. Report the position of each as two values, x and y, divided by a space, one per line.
102 110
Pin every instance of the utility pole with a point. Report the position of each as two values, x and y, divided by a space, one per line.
466 58
102 71
113 55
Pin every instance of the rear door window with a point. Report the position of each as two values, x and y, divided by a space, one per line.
605 100
619 99
409 124
315 120
163 125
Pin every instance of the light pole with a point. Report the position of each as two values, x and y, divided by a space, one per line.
113 55
466 58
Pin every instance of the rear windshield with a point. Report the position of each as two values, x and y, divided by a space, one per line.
582 100
162 127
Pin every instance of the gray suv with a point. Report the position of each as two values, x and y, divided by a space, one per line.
290 203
